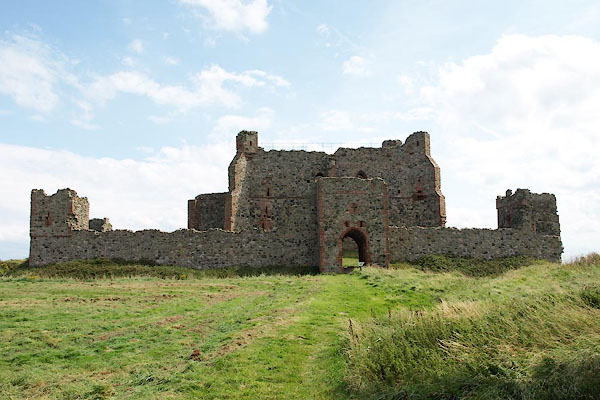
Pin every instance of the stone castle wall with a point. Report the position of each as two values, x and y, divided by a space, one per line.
203 250
355 208
412 176
347 207
59 214
271 189
412 243
535 212
207 211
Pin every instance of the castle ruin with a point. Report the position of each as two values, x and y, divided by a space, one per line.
296 208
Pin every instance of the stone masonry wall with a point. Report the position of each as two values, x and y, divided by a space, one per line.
278 190
271 189
357 208
207 211
58 214
100 224
64 236
412 176
208 249
528 211
412 243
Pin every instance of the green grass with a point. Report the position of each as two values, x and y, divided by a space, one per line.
93 330
350 261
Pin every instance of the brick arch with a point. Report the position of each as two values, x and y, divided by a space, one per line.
361 239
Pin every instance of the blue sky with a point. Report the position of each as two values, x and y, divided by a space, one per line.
135 104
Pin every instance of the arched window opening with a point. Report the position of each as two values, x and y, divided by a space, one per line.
353 248
319 175
361 174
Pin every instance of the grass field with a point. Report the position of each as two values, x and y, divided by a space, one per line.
93 330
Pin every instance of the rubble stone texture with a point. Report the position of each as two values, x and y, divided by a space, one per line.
297 207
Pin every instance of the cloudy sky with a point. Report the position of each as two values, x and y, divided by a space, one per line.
135 104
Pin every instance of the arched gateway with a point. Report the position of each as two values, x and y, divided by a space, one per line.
355 209
362 243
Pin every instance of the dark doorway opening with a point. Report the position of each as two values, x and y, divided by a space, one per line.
353 248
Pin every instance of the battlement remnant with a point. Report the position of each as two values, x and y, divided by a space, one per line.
59 214
300 208
528 211
100 225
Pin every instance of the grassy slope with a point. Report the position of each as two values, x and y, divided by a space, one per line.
252 337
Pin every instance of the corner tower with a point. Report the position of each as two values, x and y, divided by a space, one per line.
528 211
246 142
53 217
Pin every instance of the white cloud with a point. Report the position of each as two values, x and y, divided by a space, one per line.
171 61
274 79
151 193
210 41
136 46
525 115
406 82
235 123
413 114
336 120
211 86
30 73
160 119
128 62
38 77
84 118
233 15
330 36
358 66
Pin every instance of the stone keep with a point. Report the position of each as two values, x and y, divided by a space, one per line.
297 207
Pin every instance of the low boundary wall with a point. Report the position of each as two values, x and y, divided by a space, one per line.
214 248
412 243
